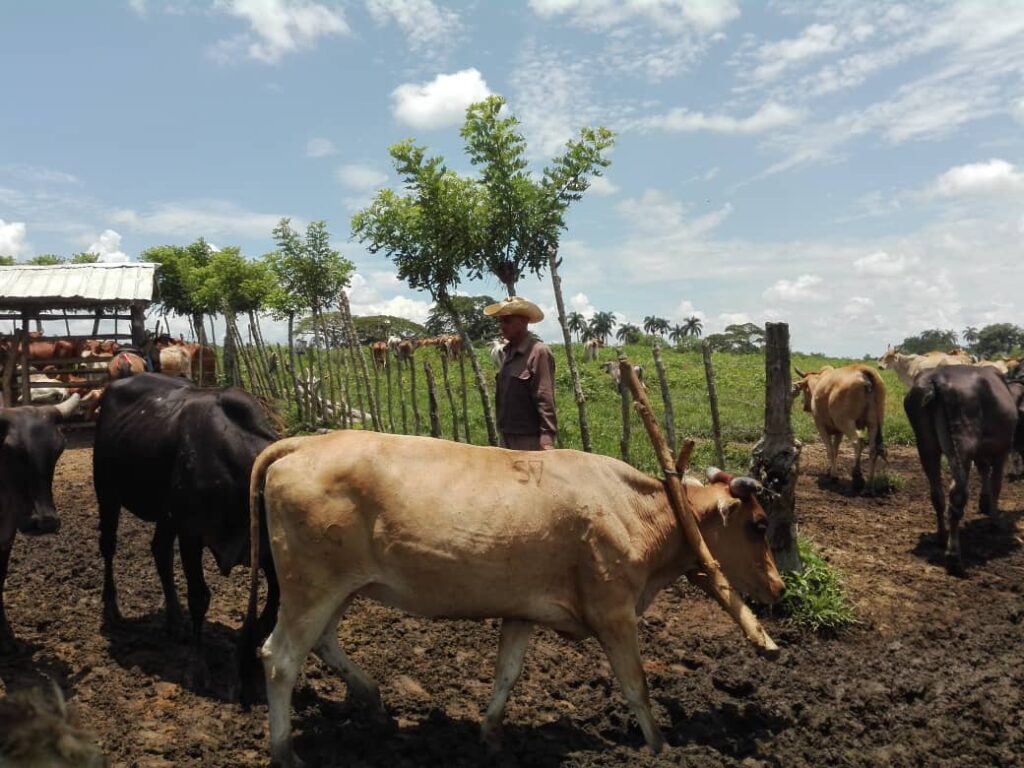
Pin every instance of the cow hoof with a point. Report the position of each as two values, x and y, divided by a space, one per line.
9 646
291 761
112 616
954 567
659 746
857 484
491 737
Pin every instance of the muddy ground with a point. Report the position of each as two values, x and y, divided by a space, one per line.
934 675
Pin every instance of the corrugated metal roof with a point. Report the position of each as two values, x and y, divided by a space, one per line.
76 285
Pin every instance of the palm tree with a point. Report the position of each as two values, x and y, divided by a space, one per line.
693 326
628 333
577 324
650 324
677 333
601 325
970 335
661 326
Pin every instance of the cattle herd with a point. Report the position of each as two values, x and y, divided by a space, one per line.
576 542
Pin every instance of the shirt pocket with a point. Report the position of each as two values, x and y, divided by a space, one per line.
524 376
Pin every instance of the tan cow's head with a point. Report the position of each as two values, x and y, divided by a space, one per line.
805 385
886 360
735 529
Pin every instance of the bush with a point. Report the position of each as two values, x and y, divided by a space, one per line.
815 598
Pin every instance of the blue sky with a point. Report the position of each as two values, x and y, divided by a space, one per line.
853 168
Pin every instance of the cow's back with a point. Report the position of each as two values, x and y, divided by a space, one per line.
974 402
162 444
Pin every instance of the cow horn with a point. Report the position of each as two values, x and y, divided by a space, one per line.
716 475
744 487
799 373
68 407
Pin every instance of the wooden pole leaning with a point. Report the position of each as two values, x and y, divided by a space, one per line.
717 584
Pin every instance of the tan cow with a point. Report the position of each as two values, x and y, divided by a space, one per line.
176 361
577 542
590 348
843 401
907 367
379 353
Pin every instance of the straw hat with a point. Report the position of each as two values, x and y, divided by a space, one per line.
515 305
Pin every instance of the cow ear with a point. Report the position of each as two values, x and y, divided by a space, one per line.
726 506
744 488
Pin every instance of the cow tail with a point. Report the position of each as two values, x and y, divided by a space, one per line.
257 512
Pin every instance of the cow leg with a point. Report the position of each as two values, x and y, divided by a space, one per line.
515 636
954 513
283 654
360 684
996 480
198 593
618 637
872 457
110 516
7 642
162 547
985 482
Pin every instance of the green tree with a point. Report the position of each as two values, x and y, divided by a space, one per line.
46 260
628 334
744 338
677 333
576 323
999 339
7 261
470 310
932 340
85 257
970 335
180 280
693 326
601 325
430 233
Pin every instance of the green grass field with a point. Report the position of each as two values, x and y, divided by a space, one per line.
740 380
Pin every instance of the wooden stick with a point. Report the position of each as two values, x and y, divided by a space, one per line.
716 582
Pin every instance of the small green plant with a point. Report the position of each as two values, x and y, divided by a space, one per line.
815 598
887 482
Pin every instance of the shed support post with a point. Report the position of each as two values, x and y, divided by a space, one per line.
138 326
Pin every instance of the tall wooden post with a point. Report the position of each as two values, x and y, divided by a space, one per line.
716 423
26 388
776 457
626 411
138 314
435 417
670 416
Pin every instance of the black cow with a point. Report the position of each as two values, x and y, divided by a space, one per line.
30 445
180 457
969 415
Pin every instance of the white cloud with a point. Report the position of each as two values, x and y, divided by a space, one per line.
883 264
769 117
427 27
12 238
580 303
775 57
360 177
441 102
278 27
206 218
857 306
995 177
600 185
671 15
658 211
804 288
686 309
367 298
139 6
320 147
1018 111
108 247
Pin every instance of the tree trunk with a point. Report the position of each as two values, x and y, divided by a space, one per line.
391 408
625 410
666 397
415 400
231 372
401 395
570 355
776 457
481 385
435 418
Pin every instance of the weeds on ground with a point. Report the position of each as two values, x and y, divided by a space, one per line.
815 599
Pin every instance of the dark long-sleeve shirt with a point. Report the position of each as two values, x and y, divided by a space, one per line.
526 390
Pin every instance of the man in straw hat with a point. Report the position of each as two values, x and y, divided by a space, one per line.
526 380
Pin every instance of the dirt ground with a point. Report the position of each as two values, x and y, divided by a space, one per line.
934 676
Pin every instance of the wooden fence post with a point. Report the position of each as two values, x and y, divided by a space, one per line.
464 392
449 395
625 410
435 419
415 403
401 394
716 424
712 580
775 461
388 357
666 397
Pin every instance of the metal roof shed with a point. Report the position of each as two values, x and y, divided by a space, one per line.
88 291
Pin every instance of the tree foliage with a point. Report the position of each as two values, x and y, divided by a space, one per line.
932 340
742 338
999 339
310 274
470 310
601 326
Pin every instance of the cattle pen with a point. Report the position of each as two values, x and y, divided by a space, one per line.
90 300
